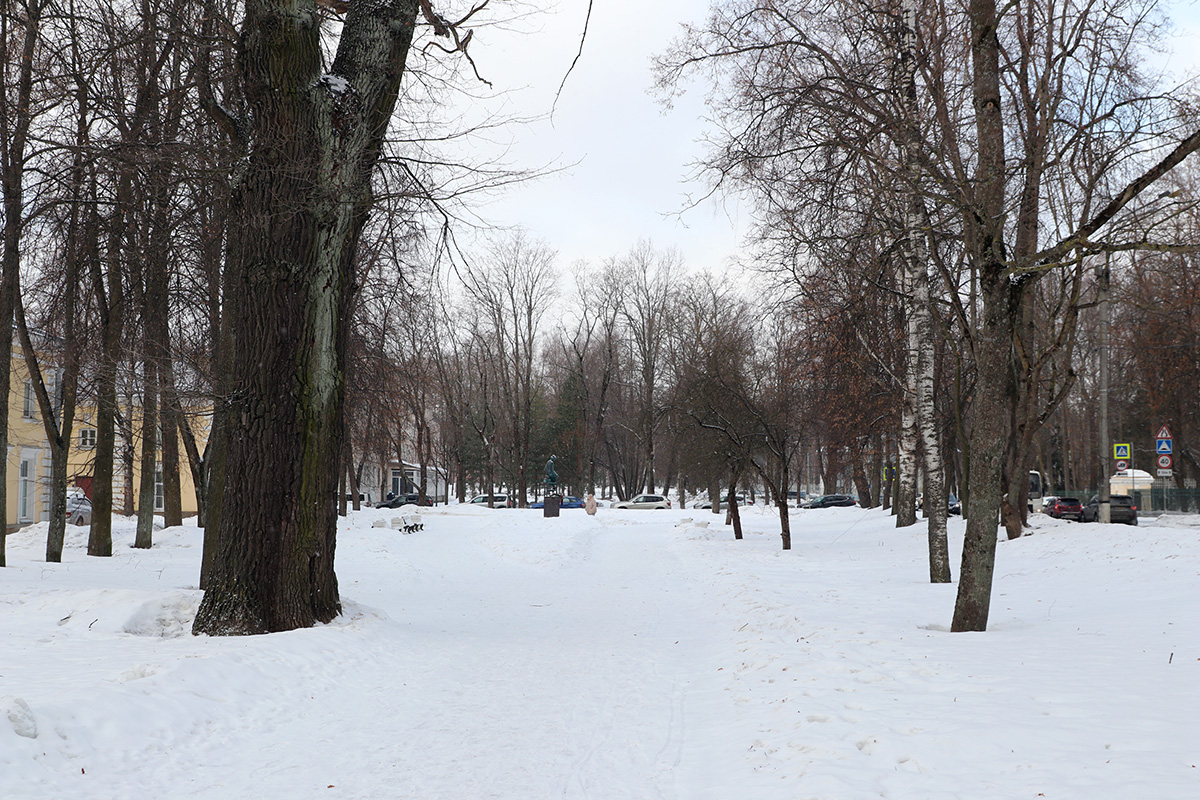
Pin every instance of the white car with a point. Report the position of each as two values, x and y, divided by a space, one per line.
644 501
498 500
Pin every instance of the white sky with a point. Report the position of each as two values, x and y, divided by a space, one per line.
633 154
630 154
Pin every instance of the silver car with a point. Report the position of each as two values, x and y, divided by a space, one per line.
79 510
644 501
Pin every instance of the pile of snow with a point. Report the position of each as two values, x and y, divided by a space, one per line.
501 654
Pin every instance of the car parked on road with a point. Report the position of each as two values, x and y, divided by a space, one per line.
740 498
568 501
1120 509
412 498
1066 508
644 501
830 501
498 500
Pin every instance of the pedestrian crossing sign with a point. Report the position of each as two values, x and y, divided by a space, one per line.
1121 451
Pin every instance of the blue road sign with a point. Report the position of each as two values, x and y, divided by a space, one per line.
1164 446
1121 451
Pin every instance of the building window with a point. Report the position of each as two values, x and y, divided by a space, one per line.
159 495
87 438
397 482
30 401
25 491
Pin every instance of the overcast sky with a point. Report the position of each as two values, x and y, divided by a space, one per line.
633 154
630 155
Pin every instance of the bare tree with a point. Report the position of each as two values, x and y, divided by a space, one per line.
513 293
647 277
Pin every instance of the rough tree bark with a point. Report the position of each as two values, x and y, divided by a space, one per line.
313 141
906 458
735 518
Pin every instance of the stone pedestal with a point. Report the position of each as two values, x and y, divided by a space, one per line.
550 509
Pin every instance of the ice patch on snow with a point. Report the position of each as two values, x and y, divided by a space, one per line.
167 617
137 672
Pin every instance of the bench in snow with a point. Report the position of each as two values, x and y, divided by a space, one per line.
409 523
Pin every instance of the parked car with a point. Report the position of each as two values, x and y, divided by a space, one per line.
79 510
831 500
1046 503
569 501
644 501
1120 509
739 497
1066 508
796 498
412 498
498 500
953 505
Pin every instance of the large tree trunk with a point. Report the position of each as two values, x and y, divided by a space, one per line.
988 437
144 538
128 455
993 340
906 459
110 289
920 368
785 521
862 485
878 479
171 419
735 516
302 204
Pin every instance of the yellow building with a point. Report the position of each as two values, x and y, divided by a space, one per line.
28 471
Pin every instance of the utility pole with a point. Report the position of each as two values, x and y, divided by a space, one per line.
1104 512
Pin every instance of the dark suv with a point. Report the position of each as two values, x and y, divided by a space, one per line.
1120 509
831 500
1066 508
412 498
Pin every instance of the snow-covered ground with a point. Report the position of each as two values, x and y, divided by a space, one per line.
499 654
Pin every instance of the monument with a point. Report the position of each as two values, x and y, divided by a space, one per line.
551 504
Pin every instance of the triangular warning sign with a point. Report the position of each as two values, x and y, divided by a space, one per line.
1164 433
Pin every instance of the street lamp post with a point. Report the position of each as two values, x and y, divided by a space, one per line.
1104 512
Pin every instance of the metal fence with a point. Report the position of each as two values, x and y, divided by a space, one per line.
1159 499
1151 501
